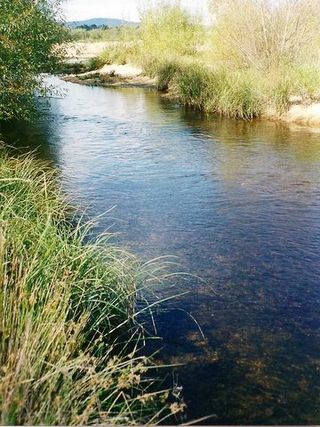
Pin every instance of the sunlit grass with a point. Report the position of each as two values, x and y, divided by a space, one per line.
69 339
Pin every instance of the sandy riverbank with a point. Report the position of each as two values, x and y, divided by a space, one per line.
114 75
300 114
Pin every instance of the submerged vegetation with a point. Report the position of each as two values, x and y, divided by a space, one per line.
69 339
255 56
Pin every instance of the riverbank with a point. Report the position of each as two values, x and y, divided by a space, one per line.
69 339
218 92
114 75
299 114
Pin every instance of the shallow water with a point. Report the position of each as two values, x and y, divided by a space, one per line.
239 205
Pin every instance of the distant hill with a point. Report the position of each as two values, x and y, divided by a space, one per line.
100 22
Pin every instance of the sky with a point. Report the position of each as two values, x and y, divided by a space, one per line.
76 10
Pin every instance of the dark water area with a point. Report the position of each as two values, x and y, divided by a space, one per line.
237 204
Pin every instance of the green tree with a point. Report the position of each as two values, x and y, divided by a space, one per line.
31 36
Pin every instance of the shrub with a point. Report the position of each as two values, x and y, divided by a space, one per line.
29 36
168 30
263 33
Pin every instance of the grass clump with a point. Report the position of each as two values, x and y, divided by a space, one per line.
285 86
192 86
95 63
166 72
69 342
219 91
240 96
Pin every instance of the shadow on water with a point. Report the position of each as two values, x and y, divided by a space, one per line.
239 205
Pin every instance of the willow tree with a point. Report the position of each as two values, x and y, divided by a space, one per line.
31 34
266 33
167 29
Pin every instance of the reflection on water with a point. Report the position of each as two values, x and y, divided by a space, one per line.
239 204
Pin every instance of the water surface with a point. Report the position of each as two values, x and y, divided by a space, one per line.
239 205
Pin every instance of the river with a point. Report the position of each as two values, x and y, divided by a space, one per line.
236 204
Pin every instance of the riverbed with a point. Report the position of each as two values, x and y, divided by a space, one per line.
235 207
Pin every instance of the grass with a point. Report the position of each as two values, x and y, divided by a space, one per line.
302 82
218 91
69 339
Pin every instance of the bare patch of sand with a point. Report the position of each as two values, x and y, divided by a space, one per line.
125 71
300 114
114 75
304 114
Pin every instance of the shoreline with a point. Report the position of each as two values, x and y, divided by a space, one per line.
134 82
128 76
113 75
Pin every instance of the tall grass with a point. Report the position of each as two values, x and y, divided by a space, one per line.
219 91
69 341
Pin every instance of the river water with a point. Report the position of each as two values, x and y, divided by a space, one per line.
236 204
